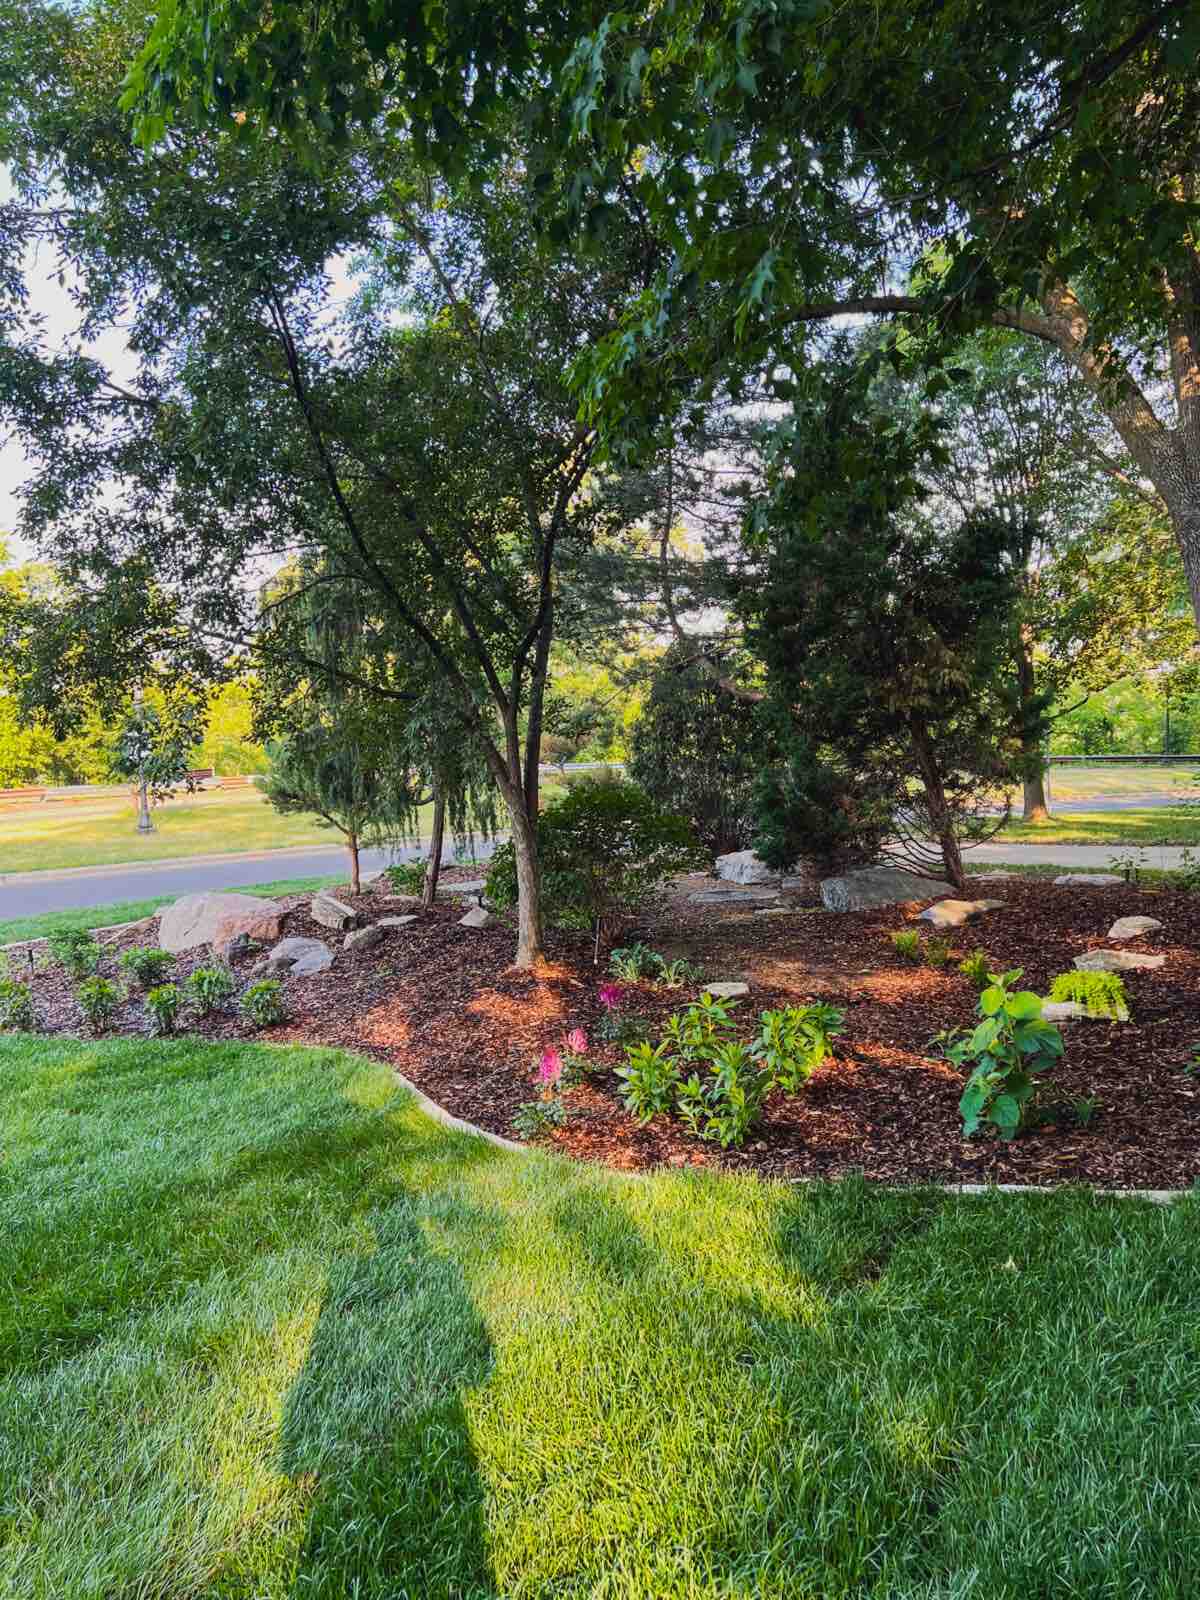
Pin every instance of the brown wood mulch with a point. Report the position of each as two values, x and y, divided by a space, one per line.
442 1004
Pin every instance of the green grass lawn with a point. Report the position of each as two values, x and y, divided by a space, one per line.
267 1332
48 922
1074 783
1145 825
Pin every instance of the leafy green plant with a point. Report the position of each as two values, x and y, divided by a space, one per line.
1084 1108
16 1005
98 1000
406 877
635 961
162 1006
75 951
209 988
1101 993
793 1043
676 974
650 1078
726 1106
622 1027
263 1004
906 942
1008 1047
937 951
146 965
977 967
536 1117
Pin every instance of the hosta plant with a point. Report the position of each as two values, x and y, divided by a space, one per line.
98 1000
210 987
263 1004
1007 1049
146 965
162 1007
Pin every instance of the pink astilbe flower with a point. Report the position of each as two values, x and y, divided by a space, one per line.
610 995
577 1042
550 1067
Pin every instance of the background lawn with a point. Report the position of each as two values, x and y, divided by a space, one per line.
268 1332
1144 825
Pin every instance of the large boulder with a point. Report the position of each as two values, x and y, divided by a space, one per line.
1116 961
1133 927
743 866
365 938
869 887
216 919
333 913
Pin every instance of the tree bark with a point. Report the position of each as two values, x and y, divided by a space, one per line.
938 809
433 866
1035 807
352 847
529 880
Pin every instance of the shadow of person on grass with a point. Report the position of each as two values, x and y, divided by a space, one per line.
377 1420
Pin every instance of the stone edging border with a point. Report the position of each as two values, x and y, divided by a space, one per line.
1158 1197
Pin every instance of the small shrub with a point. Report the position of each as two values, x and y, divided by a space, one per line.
162 1005
98 1000
208 988
650 1077
676 974
537 1117
406 877
76 952
262 1003
1101 993
16 1006
146 965
634 962
728 1105
906 942
977 967
792 1044
937 951
1010 1044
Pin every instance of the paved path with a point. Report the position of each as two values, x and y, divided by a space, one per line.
1075 855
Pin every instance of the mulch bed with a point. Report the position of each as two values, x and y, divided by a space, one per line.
443 1005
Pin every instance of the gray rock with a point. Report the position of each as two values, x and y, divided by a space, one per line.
467 887
743 866
730 897
1089 880
1116 961
332 913
210 918
396 922
1074 1010
477 918
868 887
956 913
365 938
726 991
241 944
300 958
1133 927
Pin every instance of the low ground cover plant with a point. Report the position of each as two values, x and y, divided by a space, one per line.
146 965
263 1004
16 1005
208 988
163 1004
716 1083
977 967
906 942
1102 993
75 951
1009 1046
937 951
637 962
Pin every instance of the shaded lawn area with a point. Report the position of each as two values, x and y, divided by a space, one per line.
13 929
269 1332
1144 825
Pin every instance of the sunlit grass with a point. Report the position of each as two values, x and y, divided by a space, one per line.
1146 825
267 1332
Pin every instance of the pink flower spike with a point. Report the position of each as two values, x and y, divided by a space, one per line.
550 1067
576 1042
610 995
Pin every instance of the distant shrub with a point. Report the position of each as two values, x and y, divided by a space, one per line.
98 1000
606 852
210 987
75 951
263 1004
162 1006
146 965
406 877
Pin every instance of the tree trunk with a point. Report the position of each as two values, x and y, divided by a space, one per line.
941 819
352 847
433 866
1035 807
529 881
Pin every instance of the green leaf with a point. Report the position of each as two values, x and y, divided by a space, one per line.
1023 1005
990 1001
